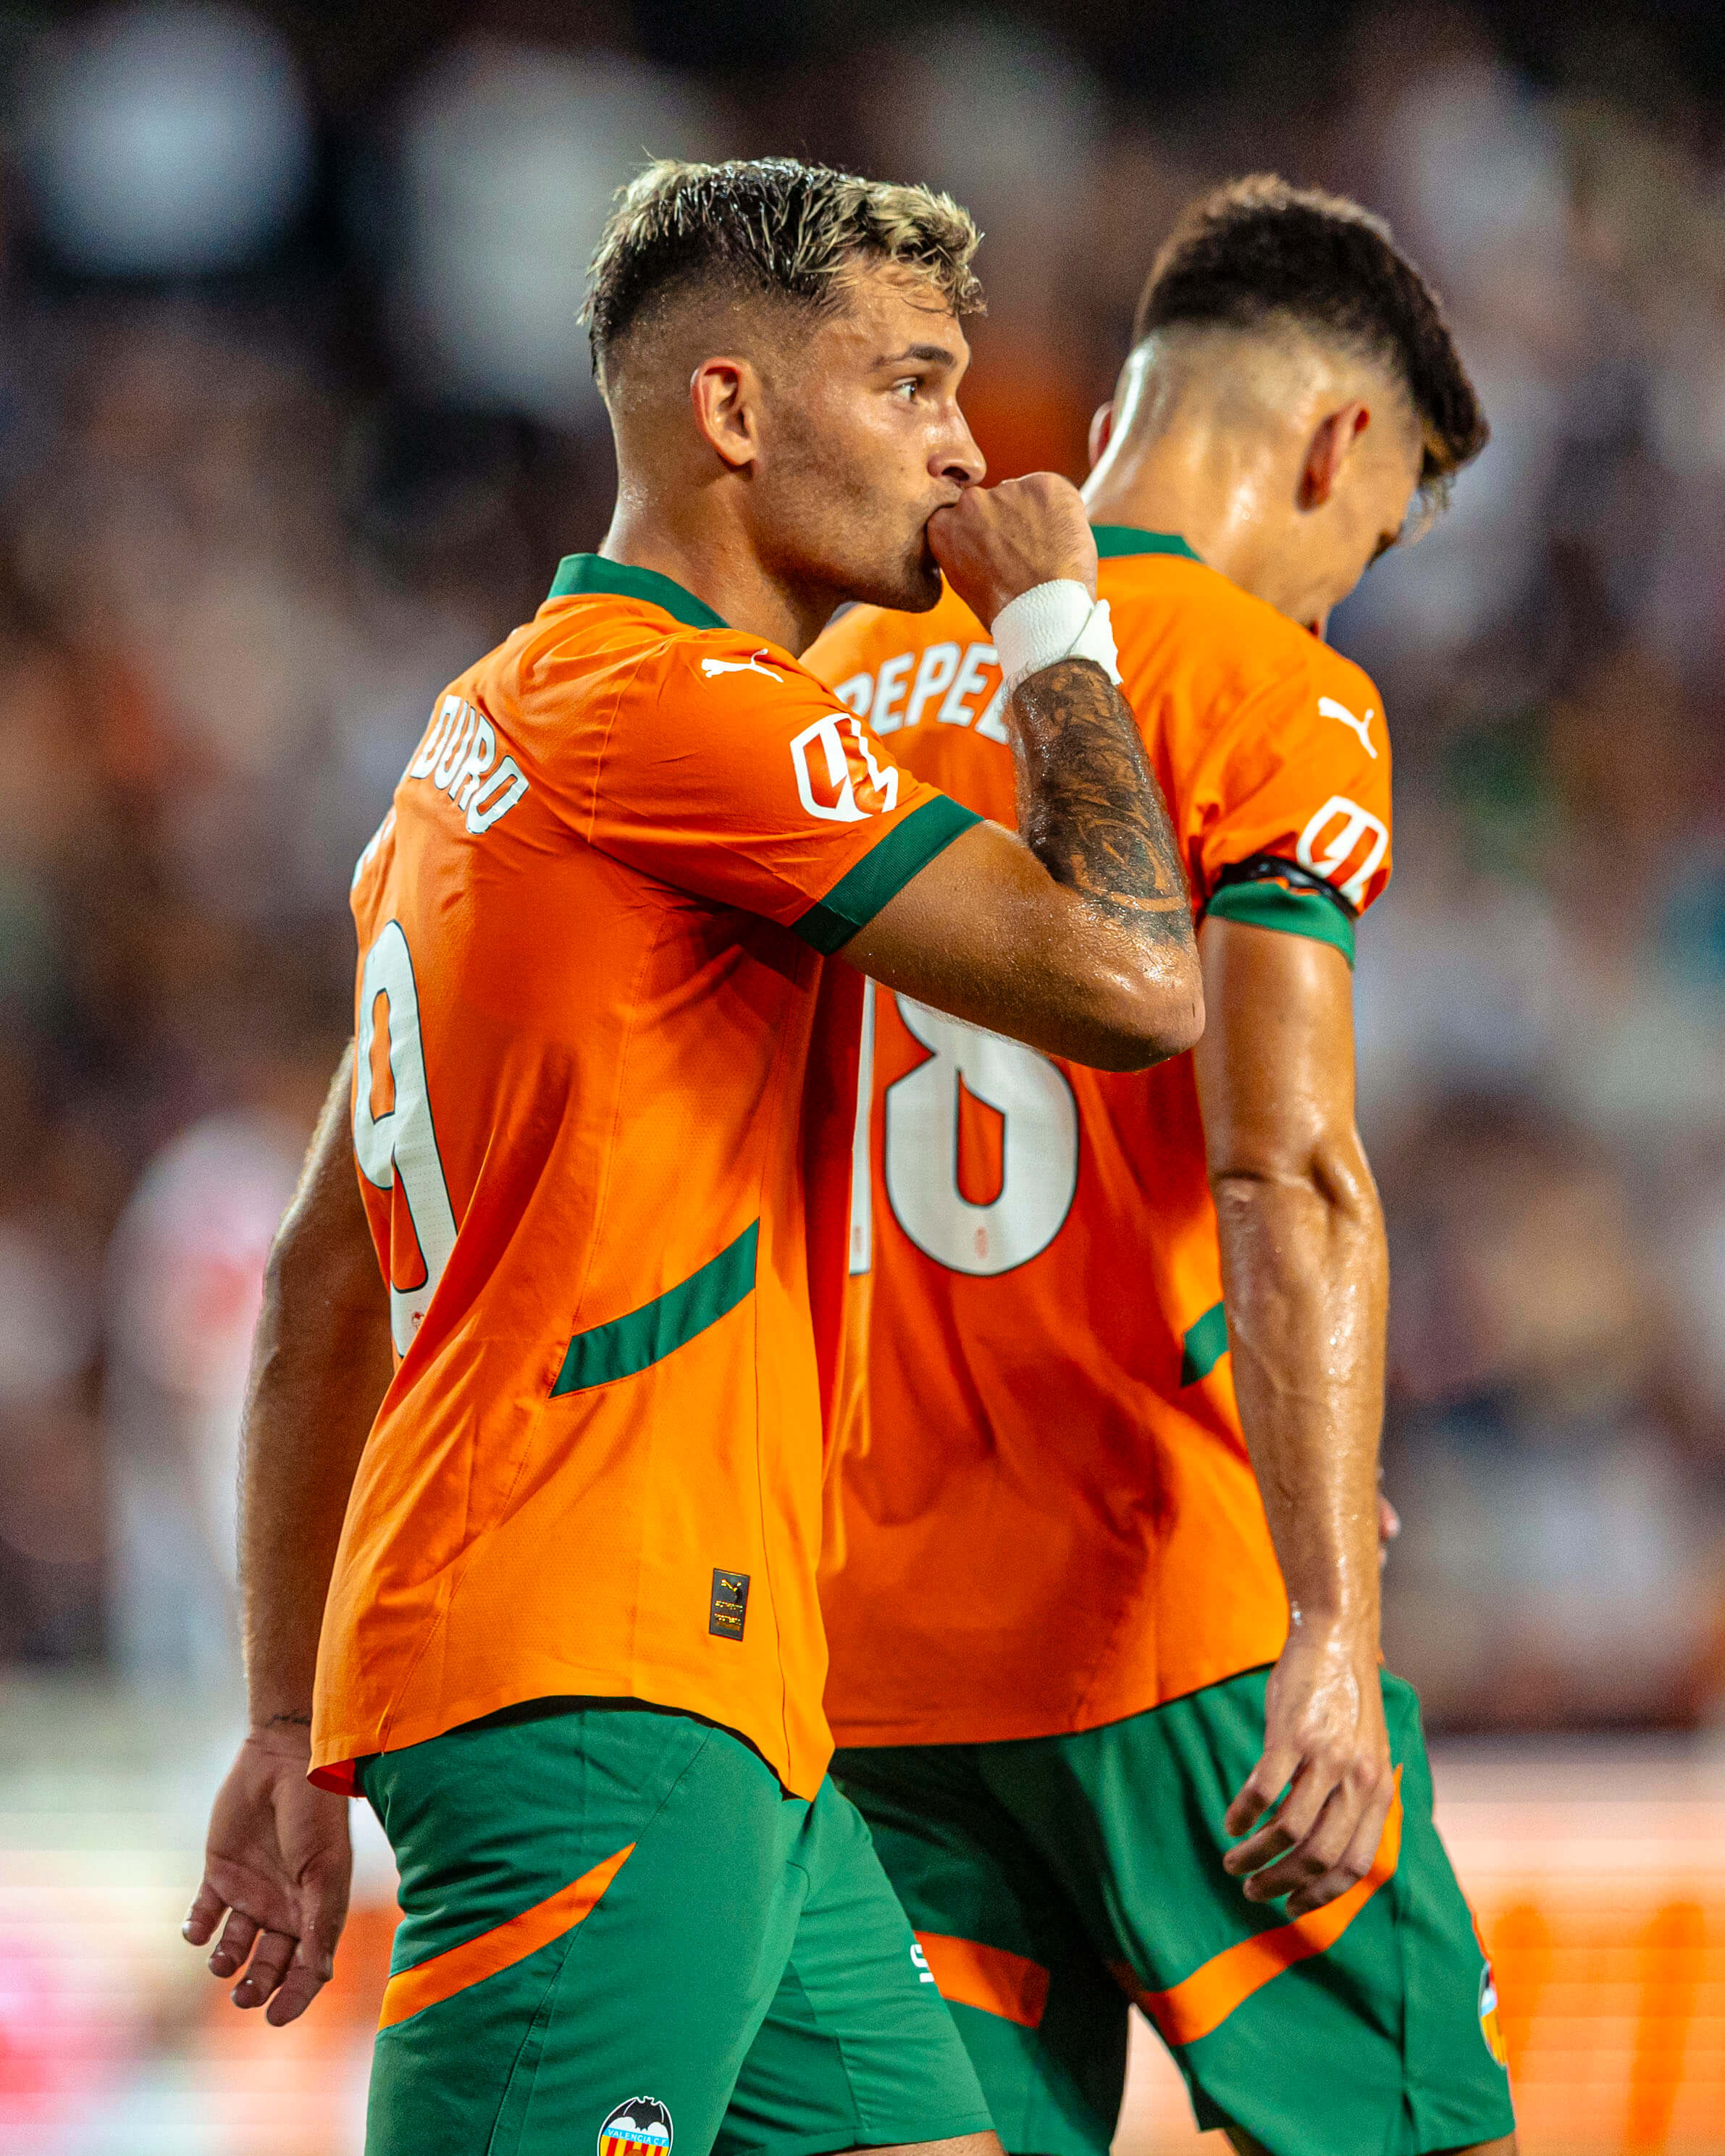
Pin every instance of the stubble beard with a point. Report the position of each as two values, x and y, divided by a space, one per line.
873 550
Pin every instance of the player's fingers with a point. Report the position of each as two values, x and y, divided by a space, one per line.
1294 1820
239 1935
269 1965
203 1915
306 1977
324 1887
1355 1860
1322 1846
1261 1788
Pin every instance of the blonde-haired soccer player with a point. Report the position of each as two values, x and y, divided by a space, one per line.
601 1100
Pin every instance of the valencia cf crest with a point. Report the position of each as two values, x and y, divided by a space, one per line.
1491 2028
640 2128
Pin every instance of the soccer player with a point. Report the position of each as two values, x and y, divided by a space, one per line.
1126 1362
592 1259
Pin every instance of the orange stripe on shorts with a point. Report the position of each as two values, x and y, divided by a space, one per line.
414 1990
967 1973
1204 2000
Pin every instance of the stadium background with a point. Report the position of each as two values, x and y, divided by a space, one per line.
295 420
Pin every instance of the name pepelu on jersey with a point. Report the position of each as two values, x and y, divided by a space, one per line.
459 758
961 682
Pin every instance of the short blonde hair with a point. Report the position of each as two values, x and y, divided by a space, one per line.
770 226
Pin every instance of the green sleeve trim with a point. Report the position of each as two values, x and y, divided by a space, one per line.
660 1327
1205 1345
1292 913
882 873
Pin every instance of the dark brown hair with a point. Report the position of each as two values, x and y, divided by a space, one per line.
1258 250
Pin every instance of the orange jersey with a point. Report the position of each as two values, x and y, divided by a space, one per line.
1049 1517
605 1093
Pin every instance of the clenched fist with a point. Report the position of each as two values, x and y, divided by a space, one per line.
996 543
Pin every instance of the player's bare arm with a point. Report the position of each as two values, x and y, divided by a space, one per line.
1305 1273
1076 937
277 1860
1091 810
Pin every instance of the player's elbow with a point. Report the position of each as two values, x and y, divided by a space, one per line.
1145 1014
1276 1162
321 1260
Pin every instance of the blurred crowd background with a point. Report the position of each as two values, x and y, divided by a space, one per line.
295 420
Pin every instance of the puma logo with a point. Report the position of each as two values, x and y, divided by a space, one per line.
1331 710
712 668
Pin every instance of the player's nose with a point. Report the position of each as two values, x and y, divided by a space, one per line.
957 457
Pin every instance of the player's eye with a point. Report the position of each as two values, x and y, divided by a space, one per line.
908 386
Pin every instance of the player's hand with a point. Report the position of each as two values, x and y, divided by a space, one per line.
997 542
279 1862
1325 1743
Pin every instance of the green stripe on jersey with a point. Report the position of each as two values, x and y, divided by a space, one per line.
577 574
1204 1345
1270 905
882 873
660 1327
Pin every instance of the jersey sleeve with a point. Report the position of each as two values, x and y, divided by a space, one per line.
1294 827
745 781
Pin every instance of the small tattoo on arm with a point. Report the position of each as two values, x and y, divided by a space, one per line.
292 1721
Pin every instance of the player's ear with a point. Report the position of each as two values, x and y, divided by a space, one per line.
1331 444
725 394
1101 431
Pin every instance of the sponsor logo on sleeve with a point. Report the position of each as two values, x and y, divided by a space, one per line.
1343 832
1330 709
836 768
640 2128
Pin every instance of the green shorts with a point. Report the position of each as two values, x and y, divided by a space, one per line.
1049 1878
618 1933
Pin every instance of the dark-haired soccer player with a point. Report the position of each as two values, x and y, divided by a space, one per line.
602 1099
1118 1321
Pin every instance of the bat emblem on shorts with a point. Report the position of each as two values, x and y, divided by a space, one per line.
640 2128
712 668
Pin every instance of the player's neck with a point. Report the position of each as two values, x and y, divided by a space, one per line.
716 561
1216 494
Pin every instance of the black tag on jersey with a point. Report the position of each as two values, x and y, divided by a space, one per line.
730 1605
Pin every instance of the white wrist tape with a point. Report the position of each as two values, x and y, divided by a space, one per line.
1057 620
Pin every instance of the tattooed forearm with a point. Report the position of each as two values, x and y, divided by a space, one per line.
1089 805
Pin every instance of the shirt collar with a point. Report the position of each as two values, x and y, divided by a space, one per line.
1115 540
577 574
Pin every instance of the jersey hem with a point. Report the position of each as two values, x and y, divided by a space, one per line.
334 1757
933 1729
882 873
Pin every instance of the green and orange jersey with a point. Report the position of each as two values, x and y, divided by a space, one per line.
1046 1517
604 1089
